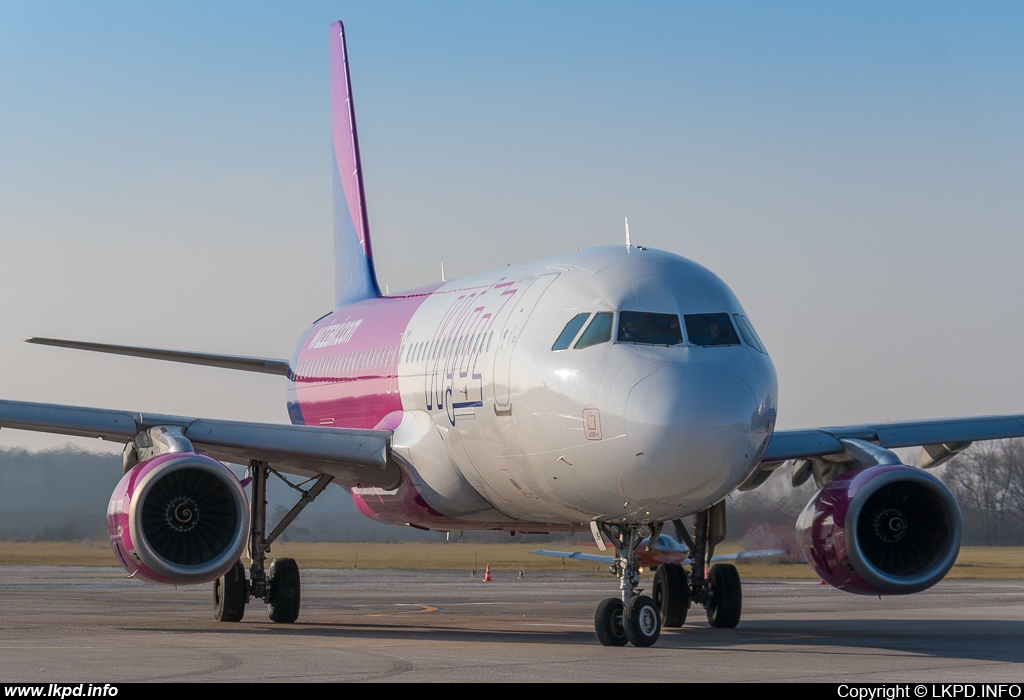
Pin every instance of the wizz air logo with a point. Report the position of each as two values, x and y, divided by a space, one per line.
334 334
463 338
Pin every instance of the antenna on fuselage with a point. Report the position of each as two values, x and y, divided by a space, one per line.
627 233
442 272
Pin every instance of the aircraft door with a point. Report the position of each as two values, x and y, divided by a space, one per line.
513 328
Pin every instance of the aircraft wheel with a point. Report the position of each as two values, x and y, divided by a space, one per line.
671 591
283 583
642 621
608 623
725 596
230 594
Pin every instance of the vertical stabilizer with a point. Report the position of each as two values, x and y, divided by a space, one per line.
354 277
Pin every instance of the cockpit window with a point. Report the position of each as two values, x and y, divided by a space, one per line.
649 329
710 329
599 331
569 332
748 333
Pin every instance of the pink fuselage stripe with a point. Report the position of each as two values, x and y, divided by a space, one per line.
347 369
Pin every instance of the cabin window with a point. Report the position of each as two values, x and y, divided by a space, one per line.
710 330
649 329
568 333
599 331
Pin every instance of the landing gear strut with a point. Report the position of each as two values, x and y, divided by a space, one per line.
632 617
279 587
720 592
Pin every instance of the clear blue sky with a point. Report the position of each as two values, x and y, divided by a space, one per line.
855 172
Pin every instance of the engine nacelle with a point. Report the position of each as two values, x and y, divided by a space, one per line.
178 518
881 530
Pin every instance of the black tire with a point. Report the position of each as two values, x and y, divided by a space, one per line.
230 594
671 591
608 623
284 589
642 621
725 596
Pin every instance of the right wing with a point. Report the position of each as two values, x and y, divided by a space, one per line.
353 457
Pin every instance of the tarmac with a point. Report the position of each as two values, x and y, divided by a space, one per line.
76 624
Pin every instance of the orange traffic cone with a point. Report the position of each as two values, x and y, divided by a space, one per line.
487 574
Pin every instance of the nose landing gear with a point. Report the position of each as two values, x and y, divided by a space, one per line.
638 619
632 618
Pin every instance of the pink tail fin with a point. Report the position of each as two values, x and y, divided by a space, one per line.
354 276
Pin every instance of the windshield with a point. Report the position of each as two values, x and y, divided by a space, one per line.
649 329
710 329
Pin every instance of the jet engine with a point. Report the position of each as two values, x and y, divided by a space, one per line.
178 518
881 530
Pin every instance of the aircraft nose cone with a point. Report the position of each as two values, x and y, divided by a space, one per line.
696 432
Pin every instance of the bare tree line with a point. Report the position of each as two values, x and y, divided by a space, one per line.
988 482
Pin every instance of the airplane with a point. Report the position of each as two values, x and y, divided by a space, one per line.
612 390
663 550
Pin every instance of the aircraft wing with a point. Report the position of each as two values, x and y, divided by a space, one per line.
608 559
580 556
265 365
756 554
939 439
801 444
352 457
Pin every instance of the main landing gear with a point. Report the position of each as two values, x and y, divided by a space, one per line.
279 586
638 619
720 591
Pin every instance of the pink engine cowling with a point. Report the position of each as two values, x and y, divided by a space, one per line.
178 518
881 530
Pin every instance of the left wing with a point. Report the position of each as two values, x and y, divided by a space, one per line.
940 440
352 457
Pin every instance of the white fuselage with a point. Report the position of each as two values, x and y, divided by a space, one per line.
496 426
